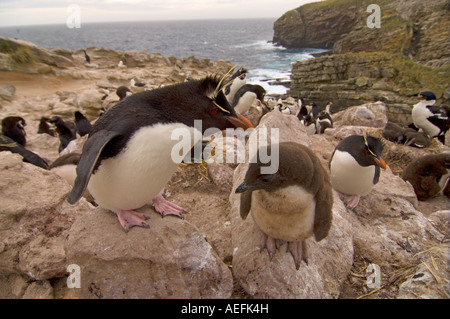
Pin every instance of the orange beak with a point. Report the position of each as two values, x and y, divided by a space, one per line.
241 122
381 163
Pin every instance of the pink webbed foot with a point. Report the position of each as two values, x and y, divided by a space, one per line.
353 201
164 207
129 218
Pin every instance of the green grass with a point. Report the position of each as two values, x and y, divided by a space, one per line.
22 55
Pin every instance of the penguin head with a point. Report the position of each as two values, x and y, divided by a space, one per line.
240 75
208 103
427 96
284 176
79 116
365 149
13 127
254 180
122 92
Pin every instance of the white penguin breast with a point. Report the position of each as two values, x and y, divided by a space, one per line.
286 214
245 102
140 171
348 177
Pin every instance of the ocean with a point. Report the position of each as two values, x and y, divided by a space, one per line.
244 42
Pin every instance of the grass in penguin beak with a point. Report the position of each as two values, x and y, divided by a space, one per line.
241 122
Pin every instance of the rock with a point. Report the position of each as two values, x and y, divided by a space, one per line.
7 92
354 79
39 290
90 103
407 27
43 258
330 259
222 176
34 219
171 259
370 114
430 279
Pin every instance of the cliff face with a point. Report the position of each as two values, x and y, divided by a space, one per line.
413 28
357 78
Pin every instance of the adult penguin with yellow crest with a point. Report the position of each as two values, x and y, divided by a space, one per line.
126 161
355 166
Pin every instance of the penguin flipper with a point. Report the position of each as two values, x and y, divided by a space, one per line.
91 152
324 214
246 203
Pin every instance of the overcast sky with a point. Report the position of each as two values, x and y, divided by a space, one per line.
31 12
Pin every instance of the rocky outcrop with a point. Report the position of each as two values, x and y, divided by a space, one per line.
411 28
41 235
358 78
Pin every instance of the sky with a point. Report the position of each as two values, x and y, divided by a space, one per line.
34 12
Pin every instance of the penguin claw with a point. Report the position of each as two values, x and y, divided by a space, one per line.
164 207
298 252
129 218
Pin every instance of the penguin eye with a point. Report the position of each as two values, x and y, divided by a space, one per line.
214 112
265 178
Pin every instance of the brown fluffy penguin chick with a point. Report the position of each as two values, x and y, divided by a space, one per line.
292 204
428 175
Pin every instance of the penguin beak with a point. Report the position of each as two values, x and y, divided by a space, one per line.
381 163
241 188
242 121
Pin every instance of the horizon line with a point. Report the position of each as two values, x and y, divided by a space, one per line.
137 21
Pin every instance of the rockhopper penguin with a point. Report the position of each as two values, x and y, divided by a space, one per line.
126 161
355 166
290 205
13 127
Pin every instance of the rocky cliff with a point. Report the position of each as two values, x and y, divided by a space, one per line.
356 78
417 29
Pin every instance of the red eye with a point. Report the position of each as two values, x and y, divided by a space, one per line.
214 112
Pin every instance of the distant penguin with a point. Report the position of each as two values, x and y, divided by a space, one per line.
65 133
122 92
246 96
433 120
238 79
131 154
302 112
13 127
428 175
44 128
394 133
315 110
416 139
8 144
355 166
86 57
121 65
82 124
324 119
292 204
137 86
